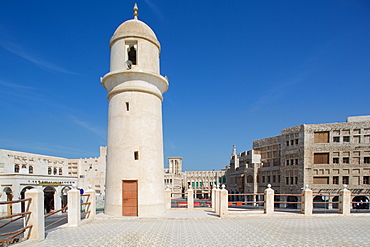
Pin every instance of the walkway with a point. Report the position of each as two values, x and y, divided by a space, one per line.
203 228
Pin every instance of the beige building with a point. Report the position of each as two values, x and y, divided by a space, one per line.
323 156
21 171
201 182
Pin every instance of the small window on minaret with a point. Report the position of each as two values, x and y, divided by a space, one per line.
136 155
132 55
127 106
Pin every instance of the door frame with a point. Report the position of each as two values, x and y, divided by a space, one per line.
134 199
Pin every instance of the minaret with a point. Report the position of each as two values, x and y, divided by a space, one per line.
134 176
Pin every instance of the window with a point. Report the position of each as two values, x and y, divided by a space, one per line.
274 179
268 179
321 158
335 180
291 142
30 170
60 171
345 160
335 160
287 143
49 170
336 139
345 138
136 155
16 168
296 141
345 179
366 180
287 180
132 55
296 161
320 180
367 160
321 137
127 106
296 180
287 162
55 171
291 180
263 179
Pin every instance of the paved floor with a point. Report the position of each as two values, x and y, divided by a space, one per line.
203 228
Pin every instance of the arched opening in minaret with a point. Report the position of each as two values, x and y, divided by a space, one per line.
132 55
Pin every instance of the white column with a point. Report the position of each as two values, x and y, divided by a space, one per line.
92 200
74 208
217 200
168 198
269 200
16 207
223 201
57 199
345 201
307 205
214 198
36 219
190 198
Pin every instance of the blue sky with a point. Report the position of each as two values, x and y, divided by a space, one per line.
239 71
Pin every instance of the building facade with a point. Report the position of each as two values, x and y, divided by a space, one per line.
323 156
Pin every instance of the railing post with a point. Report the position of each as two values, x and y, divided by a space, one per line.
168 197
269 200
92 200
217 200
223 201
36 219
74 207
307 204
214 198
345 201
190 198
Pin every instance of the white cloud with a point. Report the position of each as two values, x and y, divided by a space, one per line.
88 127
19 51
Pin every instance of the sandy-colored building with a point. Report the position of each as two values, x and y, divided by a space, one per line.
322 156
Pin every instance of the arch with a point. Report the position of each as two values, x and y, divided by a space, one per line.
292 199
9 197
49 199
16 168
132 55
23 191
64 194
358 204
320 198
335 199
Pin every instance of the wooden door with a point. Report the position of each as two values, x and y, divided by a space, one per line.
129 198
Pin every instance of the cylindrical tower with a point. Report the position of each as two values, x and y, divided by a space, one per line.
134 176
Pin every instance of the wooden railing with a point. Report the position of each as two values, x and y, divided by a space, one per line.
14 236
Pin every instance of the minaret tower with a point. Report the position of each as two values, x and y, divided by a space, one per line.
134 176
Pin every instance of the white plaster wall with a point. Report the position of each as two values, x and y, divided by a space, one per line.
139 129
147 56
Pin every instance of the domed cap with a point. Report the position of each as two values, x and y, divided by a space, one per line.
135 29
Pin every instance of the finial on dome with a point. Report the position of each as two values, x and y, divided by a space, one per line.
136 9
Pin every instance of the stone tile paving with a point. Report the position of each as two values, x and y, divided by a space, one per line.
240 231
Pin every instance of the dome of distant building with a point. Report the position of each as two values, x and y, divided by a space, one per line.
136 29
